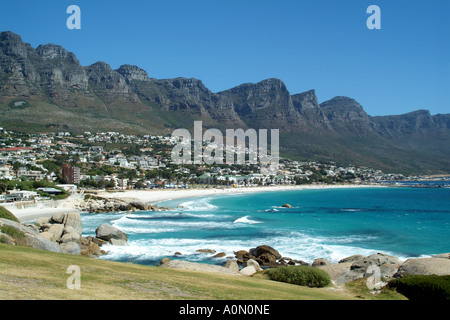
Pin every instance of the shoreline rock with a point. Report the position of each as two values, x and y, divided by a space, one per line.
203 267
93 204
62 233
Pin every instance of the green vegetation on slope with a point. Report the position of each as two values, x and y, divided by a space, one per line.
27 273
423 287
6 214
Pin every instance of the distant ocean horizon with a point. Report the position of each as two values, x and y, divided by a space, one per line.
325 223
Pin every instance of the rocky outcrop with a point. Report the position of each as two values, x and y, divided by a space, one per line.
254 264
320 262
232 265
185 265
425 266
104 205
264 256
65 230
109 233
205 250
248 271
378 266
442 256
21 235
61 233
387 267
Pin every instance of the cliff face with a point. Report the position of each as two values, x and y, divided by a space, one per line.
46 88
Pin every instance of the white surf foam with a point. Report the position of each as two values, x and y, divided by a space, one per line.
198 205
246 220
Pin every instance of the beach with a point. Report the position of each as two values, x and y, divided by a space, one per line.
157 195
154 196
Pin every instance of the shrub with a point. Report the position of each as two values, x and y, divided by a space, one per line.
6 214
13 232
423 287
300 275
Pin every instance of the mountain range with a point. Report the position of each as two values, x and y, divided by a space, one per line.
46 89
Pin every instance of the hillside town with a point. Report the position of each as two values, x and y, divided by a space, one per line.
116 161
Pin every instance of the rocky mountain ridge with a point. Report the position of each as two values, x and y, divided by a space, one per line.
55 92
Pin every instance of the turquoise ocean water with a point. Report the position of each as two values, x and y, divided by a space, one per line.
327 223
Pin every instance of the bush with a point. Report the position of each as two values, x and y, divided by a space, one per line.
13 232
423 287
300 275
6 214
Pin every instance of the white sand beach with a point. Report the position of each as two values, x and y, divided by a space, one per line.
154 196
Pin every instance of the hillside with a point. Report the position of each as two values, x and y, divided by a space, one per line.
27 273
46 89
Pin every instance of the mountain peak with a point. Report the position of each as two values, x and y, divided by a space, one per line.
11 44
132 72
52 51
100 65
9 35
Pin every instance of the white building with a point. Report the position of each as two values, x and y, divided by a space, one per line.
68 187
6 173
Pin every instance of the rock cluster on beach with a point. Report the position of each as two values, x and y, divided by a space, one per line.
63 233
379 266
102 205
265 256
65 229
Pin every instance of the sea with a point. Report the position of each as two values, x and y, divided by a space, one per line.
402 221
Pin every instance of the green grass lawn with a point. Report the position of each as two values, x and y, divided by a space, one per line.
27 273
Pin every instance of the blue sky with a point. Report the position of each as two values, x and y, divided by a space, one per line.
322 44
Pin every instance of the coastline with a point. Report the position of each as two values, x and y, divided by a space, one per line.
71 204
155 196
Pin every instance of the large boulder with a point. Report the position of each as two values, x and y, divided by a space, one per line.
201 267
241 253
70 237
138 205
266 257
49 236
219 255
265 249
107 232
353 258
232 265
31 238
118 242
388 265
248 271
71 248
206 250
340 273
320 262
73 219
254 264
123 206
58 218
442 255
357 267
56 230
90 249
42 221
425 266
